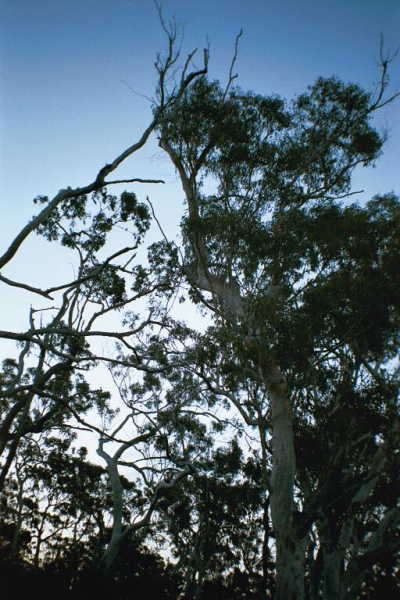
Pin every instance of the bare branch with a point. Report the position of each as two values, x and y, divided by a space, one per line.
135 180
157 221
232 76
94 272
384 60
25 286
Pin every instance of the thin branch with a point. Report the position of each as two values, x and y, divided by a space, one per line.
385 61
345 195
25 286
187 62
232 76
121 425
94 271
136 92
89 426
135 180
157 221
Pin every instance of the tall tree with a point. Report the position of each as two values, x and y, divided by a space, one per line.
278 170
54 347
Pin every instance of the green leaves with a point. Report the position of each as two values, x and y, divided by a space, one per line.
77 227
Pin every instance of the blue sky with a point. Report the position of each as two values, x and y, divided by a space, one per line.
68 70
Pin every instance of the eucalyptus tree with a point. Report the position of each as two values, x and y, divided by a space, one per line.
163 453
213 522
47 386
55 526
44 384
54 498
273 256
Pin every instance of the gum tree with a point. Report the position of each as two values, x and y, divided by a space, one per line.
45 387
255 258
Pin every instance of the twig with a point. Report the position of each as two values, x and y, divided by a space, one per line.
232 77
135 180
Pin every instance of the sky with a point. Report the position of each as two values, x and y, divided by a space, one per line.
75 77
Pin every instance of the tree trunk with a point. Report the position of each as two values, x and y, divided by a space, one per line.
112 550
332 575
290 551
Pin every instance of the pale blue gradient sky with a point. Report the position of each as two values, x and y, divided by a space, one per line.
65 110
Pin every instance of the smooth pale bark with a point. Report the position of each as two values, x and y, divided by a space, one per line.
117 500
118 531
290 551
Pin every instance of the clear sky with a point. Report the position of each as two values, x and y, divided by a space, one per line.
68 69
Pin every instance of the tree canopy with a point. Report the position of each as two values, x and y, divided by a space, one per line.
254 454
